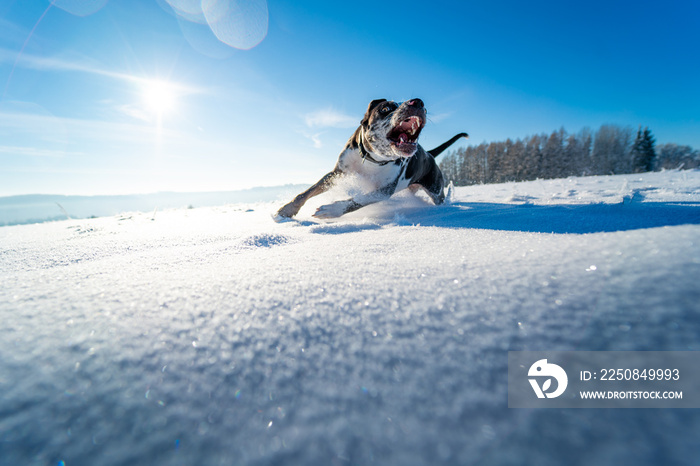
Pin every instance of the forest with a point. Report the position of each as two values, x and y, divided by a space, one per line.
610 150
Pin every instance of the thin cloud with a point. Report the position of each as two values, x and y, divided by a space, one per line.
329 118
35 152
135 111
59 64
35 124
437 118
316 139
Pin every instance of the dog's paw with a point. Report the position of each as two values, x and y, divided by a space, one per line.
286 212
281 218
332 210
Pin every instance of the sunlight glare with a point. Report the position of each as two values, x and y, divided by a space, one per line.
159 97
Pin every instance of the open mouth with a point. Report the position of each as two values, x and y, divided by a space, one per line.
405 134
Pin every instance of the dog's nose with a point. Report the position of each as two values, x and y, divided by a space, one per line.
415 103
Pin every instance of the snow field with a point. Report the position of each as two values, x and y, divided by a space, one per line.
216 336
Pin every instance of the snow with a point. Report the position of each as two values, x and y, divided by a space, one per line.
216 336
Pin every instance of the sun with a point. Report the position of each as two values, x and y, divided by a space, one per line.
159 97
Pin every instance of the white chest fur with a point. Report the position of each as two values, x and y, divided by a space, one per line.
351 161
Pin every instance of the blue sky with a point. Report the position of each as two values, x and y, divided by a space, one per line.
132 96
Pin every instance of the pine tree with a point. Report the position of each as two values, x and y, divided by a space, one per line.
448 166
516 156
533 156
585 144
553 155
611 150
643 153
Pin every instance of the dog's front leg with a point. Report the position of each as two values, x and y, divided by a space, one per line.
339 208
324 184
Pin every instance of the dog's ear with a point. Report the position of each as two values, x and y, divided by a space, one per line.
371 107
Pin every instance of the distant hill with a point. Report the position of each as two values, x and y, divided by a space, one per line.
37 208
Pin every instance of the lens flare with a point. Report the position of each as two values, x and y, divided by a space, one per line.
238 23
190 10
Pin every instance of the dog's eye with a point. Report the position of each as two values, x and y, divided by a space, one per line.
385 109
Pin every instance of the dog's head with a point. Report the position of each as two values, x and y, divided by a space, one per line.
391 129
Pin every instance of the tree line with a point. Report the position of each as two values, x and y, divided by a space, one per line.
610 150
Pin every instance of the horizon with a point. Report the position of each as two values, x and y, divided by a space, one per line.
134 97
34 208
155 193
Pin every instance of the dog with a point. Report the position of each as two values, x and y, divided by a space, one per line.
384 150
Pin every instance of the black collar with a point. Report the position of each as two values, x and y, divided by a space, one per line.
366 156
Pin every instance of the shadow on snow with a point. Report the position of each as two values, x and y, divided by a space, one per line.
562 218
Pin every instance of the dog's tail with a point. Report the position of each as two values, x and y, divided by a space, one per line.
439 149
